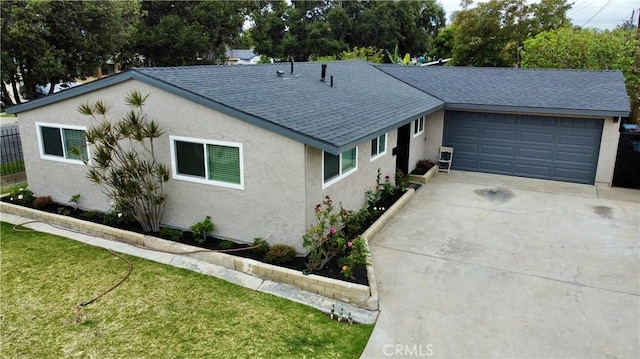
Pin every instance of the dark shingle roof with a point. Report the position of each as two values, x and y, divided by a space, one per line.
573 92
363 103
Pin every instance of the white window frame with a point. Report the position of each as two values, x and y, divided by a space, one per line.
378 153
341 174
64 158
204 142
418 126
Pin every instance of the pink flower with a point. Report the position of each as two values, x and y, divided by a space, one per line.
345 267
349 244
332 230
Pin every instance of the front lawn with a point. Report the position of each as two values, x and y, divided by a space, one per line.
159 311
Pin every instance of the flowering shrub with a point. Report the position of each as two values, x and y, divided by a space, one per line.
357 256
326 238
22 196
385 190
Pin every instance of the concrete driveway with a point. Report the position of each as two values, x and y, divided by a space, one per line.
480 265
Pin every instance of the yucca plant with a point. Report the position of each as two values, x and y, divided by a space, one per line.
123 161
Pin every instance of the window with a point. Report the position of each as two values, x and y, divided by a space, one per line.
335 167
418 126
378 146
206 161
62 143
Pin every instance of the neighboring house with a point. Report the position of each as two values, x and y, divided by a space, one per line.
259 161
242 57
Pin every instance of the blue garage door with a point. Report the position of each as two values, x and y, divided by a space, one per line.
556 148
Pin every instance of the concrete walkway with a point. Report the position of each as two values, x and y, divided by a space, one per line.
479 266
286 291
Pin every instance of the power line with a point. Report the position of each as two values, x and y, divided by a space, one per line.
599 11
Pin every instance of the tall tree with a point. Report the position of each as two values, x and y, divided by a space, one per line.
189 32
49 41
492 33
312 29
588 49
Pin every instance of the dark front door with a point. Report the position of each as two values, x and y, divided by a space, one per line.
402 149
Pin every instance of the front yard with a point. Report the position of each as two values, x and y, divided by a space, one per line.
159 311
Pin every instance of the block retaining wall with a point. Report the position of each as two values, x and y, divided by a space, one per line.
356 294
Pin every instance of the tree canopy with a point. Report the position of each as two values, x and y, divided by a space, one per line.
491 33
50 41
591 49
174 33
307 30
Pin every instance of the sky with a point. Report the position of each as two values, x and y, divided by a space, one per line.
607 14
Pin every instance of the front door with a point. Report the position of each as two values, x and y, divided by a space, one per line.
402 149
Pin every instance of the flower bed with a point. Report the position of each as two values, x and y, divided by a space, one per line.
357 294
338 265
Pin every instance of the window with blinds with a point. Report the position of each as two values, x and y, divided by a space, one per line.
62 143
207 161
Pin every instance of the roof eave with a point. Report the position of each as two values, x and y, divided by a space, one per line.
74 92
537 110
387 129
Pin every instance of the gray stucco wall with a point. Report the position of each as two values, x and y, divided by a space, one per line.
350 189
434 131
608 151
271 205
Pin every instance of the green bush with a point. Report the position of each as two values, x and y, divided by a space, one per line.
22 196
90 214
280 253
226 245
171 234
201 229
261 247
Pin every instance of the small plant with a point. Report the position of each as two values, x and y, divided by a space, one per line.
41 202
402 181
64 211
90 214
355 221
117 216
74 200
201 229
358 256
280 253
226 245
423 166
261 246
171 234
22 196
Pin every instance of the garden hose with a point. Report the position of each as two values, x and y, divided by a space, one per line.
130 269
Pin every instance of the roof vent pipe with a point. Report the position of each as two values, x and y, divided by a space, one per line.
279 73
292 65
323 74
331 80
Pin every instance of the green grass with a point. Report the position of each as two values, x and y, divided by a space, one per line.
11 167
4 114
159 312
12 188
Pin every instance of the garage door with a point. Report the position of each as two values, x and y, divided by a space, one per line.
556 148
